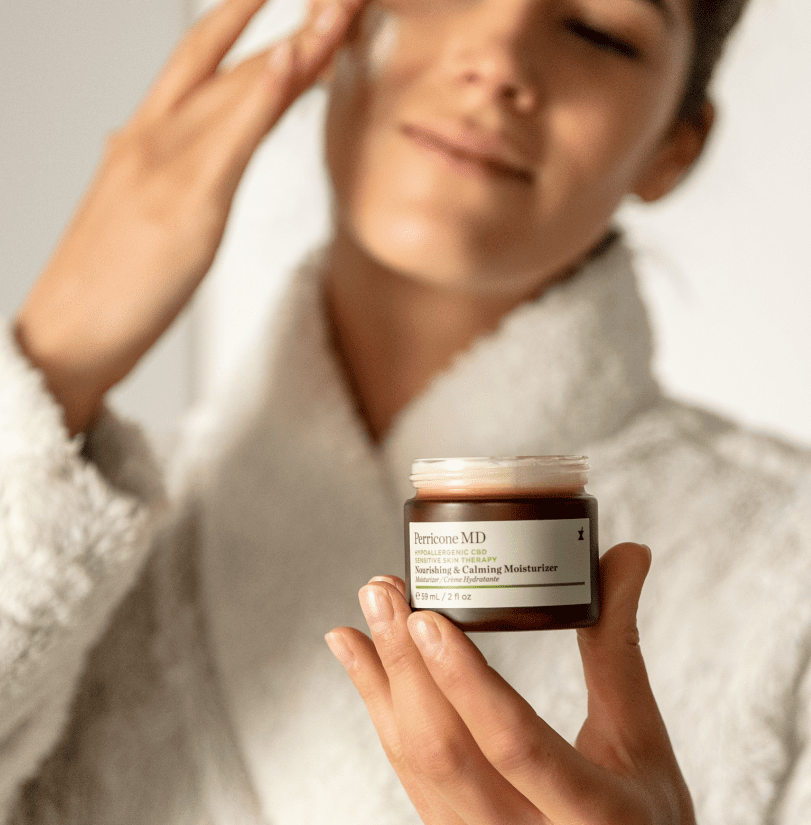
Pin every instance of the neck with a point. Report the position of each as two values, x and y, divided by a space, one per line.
394 333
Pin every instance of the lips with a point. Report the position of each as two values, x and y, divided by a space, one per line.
480 151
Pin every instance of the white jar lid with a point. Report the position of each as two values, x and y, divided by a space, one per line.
532 474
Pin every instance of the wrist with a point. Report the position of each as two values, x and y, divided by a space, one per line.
81 397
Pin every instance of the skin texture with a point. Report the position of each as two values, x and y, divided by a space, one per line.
427 257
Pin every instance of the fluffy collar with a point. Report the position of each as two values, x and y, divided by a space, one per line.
560 373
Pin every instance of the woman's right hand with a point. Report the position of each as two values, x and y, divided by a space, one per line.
148 228
469 750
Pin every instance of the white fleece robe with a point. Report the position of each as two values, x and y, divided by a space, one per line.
191 684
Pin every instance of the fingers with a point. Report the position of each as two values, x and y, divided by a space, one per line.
541 765
206 144
357 654
231 114
621 702
395 581
200 54
201 51
464 738
624 730
437 746
291 66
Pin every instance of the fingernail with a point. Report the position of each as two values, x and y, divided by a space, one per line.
328 18
377 608
393 581
279 58
425 633
339 649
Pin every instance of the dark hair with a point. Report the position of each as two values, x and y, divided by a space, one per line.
713 21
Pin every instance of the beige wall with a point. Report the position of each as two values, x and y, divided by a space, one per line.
729 262
71 72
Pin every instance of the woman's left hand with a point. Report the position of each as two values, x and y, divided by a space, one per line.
469 750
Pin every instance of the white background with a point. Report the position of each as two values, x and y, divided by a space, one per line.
727 263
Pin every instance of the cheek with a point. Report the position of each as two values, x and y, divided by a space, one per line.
611 139
382 45
605 151
634 129
386 34
371 84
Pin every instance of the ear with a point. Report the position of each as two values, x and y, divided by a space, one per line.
675 156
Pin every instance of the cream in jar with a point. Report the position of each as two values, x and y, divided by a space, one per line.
503 543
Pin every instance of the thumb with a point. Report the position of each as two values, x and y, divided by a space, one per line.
621 702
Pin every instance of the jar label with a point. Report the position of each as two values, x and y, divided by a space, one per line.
527 563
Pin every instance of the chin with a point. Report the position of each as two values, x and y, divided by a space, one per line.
420 250
436 241
479 265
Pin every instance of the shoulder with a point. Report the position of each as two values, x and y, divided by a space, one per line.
725 612
683 475
676 441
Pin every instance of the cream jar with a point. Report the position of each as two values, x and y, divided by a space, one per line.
503 543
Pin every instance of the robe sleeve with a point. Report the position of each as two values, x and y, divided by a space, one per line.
793 803
77 518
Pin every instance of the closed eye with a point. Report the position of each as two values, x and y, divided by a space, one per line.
603 40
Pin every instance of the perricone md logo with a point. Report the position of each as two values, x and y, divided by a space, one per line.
473 537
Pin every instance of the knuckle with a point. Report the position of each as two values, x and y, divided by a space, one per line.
118 150
451 672
135 152
393 748
114 141
625 802
439 757
396 656
510 749
621 810
150 151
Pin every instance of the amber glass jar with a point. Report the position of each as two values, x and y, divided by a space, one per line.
503 543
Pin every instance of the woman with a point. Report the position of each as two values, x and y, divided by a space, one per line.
473 299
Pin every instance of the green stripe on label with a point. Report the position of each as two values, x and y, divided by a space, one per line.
493 586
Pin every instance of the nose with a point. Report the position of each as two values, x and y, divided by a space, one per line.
492 81
488 61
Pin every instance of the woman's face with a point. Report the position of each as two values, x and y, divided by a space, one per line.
486 144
